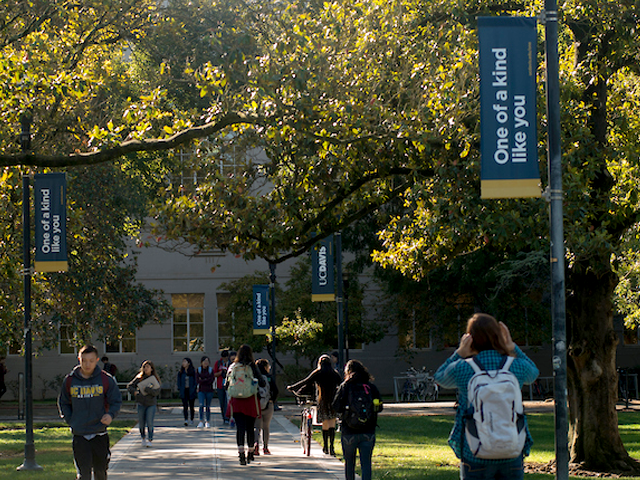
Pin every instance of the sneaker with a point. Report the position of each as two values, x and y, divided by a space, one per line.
266 451
149 444
232 423
256 450
207 425
200 425
186 423
144 442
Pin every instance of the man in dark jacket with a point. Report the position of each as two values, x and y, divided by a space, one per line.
88 403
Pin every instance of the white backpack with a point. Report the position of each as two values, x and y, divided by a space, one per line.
494 423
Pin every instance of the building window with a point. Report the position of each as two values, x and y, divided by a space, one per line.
225 321
413 335
188 322
631 336
67 343
127 344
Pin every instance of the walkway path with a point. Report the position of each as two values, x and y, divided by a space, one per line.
211 454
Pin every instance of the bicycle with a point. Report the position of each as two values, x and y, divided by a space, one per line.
420 385
306 421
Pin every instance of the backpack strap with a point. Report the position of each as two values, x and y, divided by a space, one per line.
506 363
475 364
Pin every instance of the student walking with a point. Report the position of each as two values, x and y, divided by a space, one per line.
146 387
187 389
243 379
326 380
263 422
220 372
88 402
205 379
487 345
358 400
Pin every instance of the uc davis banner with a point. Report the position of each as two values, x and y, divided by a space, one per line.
260 309
51 222
508 135
322 271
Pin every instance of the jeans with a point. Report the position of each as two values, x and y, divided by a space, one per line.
364 442
512 470
188 404
146 415
204 399
91 454
222 397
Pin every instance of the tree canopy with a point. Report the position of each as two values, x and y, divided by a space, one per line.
353 104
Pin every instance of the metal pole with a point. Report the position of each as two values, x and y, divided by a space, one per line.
557 240
272 294
339 303
29 446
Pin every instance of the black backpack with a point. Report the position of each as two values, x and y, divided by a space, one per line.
359 411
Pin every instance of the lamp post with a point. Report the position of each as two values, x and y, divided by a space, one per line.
29 446
557 239
272 296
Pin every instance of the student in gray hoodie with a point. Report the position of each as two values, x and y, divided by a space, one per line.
89 401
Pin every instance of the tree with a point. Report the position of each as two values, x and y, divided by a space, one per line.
358 103
57 67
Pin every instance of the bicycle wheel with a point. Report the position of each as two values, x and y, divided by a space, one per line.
303 432
309 434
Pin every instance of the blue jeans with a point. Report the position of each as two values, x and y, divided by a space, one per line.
512 470
364 442
222 397
145 417
204 399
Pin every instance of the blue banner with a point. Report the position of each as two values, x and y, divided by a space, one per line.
508 133
322 284
260 309
51 222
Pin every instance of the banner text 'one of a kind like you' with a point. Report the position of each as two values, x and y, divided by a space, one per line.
508 133
51 222
260 309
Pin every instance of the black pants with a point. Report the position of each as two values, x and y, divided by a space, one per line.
188 403
245 425
3 389
91 454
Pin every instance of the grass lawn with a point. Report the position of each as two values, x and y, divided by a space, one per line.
412 448
53 449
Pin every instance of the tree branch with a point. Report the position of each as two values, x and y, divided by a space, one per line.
128 147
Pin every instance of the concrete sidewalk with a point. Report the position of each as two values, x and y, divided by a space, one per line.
212 454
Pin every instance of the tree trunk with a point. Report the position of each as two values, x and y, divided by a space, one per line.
594 439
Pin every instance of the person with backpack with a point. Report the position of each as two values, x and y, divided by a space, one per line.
326 381
146 388
88 402
220 372
489 370
359 401
205 379
187 389
109 367
243 380
268 395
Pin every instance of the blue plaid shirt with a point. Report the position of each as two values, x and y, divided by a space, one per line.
456 373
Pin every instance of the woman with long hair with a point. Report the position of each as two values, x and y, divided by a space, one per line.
489 343
244 410
205 379
361 438
146 387
263 423
326 381
187 389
